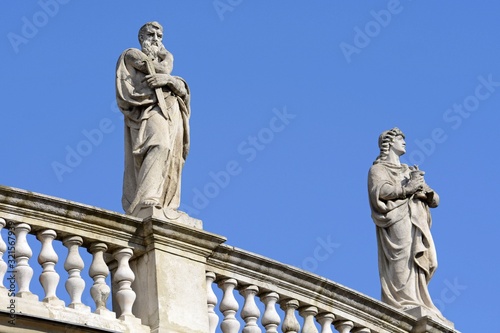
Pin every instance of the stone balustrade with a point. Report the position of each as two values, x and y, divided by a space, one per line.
293 300
153 271
107 252
163 277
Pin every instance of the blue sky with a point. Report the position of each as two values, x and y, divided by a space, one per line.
288 100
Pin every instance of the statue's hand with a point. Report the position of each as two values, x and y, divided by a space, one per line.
427 188
158 80
416 183
421 195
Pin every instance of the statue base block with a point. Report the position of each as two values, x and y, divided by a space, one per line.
169 215
421 312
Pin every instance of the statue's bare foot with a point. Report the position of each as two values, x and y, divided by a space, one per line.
151 202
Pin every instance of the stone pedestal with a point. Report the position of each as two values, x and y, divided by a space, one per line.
424 317
168 215
170 277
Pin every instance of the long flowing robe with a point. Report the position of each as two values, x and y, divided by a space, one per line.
406 252
156 139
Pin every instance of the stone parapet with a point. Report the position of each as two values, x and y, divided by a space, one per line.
301 289
163 274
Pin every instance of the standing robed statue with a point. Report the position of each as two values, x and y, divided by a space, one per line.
156 111
400 202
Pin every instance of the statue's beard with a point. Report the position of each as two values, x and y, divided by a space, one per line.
154 50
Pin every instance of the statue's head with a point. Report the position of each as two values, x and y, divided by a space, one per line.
148 29
150 37
386 140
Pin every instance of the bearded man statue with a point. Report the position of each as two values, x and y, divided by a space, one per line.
156 111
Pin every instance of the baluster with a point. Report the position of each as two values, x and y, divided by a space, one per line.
23 253
344 326
3 264
228 306
308 313
49 279
124 276
74 265
326 319
361 330
290 322
213 319
98 271
270 319
250 312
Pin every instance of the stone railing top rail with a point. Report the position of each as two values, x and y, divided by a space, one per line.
99 225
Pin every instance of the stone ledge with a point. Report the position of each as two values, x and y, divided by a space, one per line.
70 218
98 225
178 238
25 323
33 316
428 324
421 312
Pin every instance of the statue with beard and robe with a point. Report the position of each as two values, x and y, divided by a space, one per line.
400 200
156 112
